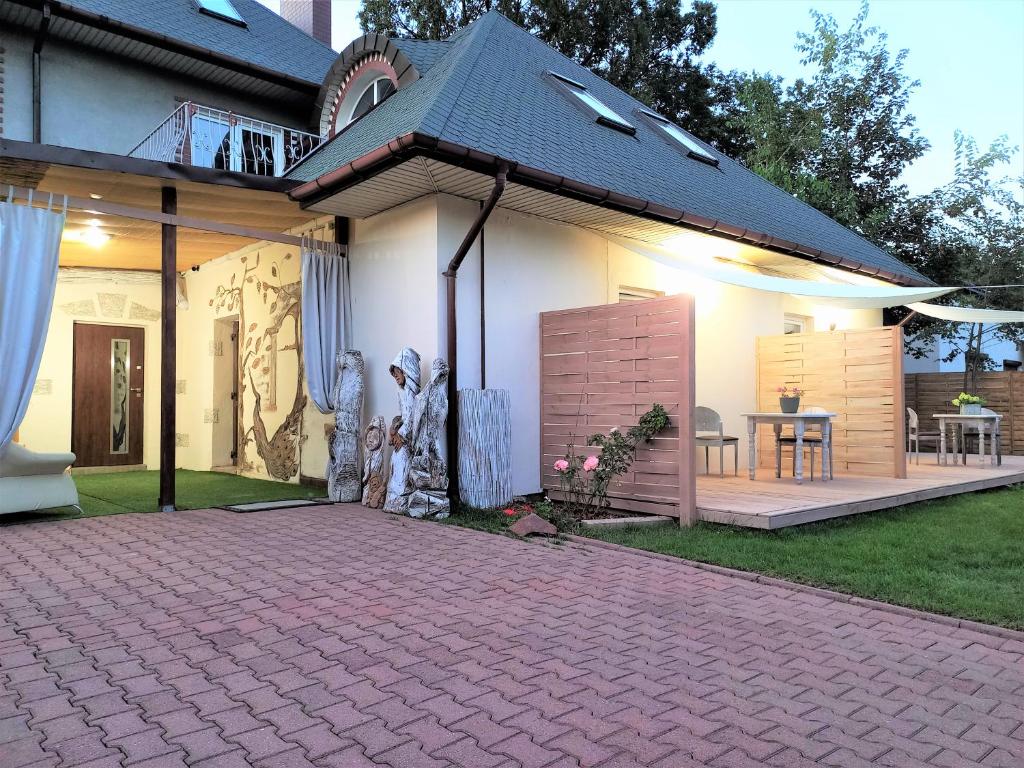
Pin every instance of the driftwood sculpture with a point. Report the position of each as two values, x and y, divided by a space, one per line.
485 447
427 485
344 478
373 464
406 371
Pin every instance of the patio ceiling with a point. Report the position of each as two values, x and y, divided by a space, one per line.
135 244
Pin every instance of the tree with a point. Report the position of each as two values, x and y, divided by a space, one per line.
648 48
841 138
976 234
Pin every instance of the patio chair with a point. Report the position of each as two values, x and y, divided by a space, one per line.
31 481
813 441
971 434
710 434
915 436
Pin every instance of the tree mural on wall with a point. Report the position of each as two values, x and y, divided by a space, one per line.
258 362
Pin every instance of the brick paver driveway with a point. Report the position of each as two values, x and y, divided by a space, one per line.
340 637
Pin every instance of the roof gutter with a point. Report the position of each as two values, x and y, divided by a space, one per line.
37 73
412 145
453 335
107 24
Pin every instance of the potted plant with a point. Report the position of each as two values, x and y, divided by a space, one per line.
969 405
789 399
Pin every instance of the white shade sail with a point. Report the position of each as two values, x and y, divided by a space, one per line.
968 314
840 295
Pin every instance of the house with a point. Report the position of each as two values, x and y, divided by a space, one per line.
490 147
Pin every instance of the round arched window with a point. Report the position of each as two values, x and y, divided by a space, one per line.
372 95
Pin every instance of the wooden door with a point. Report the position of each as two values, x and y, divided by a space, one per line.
107 404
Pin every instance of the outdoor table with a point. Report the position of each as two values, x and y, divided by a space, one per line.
979 420
800 421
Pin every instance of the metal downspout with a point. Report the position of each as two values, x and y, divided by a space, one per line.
37 74
453 336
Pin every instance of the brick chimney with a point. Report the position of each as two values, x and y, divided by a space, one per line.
311 16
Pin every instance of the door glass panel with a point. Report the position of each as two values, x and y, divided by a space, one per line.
210 143
120 362
258 152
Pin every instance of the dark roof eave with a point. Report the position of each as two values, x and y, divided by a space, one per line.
101 161
414 144
199 53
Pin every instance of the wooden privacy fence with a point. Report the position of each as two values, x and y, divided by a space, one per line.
856 374
929 393
604 367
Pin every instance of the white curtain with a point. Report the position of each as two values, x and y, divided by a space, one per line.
840 295
29 254
968 314
326 313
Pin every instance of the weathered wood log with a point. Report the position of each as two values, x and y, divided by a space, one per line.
406 372
373 464
485 447
344 478
427 483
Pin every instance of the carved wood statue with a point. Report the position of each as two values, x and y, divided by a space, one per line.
406 372
427 485
344 478
373 464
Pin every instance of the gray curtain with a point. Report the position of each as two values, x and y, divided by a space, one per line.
29 255
326 313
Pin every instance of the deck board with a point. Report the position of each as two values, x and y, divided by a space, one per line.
772 503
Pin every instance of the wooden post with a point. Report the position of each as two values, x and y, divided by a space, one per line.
168 337
687 403
899 406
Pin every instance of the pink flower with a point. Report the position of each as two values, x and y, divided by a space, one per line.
561 465
511 512
590 464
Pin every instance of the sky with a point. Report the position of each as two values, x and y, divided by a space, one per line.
968 55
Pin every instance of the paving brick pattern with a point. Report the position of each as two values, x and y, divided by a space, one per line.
341 637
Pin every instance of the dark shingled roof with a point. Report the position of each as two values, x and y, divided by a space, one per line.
266 41
422 53
489 91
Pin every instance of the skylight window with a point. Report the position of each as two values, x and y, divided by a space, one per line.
222 9
676 134
604 114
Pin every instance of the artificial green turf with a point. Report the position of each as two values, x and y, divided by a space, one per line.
962 556
118 492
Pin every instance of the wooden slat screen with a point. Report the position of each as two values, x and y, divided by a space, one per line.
857 374
929 393
604 367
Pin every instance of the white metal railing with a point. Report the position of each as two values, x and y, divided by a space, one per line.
213 138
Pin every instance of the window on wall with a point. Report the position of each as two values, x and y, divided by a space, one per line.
371 96
629 293
797 324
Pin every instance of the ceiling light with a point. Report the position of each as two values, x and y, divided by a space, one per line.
94 196
92 236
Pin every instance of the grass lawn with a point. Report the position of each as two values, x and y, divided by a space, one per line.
962 556
117 492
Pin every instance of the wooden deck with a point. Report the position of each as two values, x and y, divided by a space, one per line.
770 503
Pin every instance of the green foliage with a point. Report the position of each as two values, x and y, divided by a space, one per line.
965 399
959 556
584 480
648 48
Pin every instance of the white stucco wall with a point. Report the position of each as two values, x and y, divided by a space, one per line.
91 100
107 297
533 266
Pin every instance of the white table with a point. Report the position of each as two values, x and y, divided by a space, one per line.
800 421
980 421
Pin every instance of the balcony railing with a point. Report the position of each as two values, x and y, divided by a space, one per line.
212 138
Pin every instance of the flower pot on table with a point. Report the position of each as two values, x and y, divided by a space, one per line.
789 404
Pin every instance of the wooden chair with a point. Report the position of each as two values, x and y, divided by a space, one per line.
915 436
995 433
708 426
813 440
